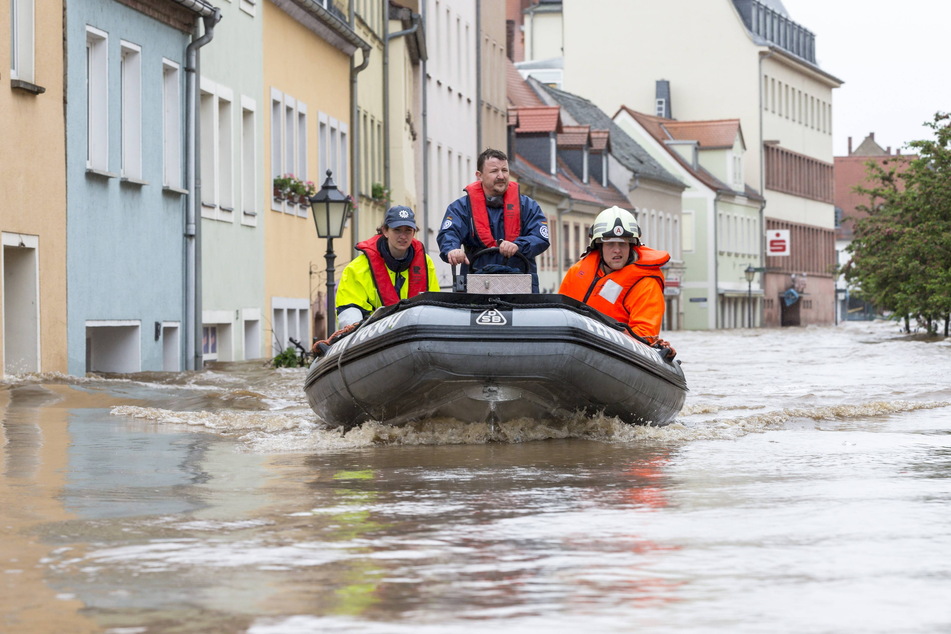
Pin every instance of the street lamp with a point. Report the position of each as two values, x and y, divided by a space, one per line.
330 207
750 272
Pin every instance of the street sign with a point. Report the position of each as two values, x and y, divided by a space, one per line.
777 242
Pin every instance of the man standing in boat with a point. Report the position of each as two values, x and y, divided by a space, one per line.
621 278
492 213
393 265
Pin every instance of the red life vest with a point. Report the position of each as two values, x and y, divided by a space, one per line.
417 274
511 213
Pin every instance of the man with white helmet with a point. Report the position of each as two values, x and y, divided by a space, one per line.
619 277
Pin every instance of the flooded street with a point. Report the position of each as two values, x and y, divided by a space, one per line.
805 487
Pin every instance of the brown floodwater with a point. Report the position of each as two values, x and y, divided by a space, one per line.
805 487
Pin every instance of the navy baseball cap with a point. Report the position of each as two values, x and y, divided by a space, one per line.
400 216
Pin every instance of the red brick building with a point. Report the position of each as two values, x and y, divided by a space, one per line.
849 172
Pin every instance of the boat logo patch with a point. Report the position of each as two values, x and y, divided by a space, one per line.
492 317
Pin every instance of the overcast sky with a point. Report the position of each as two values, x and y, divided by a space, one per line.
893 57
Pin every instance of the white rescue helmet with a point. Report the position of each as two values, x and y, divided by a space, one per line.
615 225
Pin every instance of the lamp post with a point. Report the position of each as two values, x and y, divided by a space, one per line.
750 272
330 207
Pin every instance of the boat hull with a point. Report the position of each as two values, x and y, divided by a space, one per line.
482 358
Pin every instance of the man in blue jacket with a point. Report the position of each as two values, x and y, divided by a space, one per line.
492 213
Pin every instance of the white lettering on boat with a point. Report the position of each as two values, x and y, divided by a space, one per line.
387 323
491 317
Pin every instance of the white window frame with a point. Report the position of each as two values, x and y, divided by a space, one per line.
209 352
225 154
288 145
249 6
217 151
97 99
333 153
290 317
249 164
130 73
22 40
171 125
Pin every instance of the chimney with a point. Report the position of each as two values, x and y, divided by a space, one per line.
871 135
662 98
888 150
850 146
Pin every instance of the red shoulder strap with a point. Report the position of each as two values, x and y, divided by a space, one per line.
418 274
511 213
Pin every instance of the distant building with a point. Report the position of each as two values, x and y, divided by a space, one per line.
720 215
743 59
613 159
851 171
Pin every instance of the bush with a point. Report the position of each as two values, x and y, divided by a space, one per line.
287 359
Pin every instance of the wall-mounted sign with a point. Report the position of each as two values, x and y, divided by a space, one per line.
777 242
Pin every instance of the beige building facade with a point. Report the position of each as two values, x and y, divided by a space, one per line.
33 182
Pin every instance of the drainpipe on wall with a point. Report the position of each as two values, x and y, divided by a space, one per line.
386 90
424 227
762 175
478 75
192 317
716 261
355 130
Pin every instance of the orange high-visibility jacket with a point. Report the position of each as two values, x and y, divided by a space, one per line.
633 295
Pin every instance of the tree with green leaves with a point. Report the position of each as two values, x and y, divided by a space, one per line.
901 254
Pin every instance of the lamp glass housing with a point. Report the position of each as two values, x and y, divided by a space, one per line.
330 208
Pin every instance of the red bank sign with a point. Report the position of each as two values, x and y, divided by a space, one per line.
777 242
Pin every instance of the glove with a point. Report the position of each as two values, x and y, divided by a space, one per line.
320 347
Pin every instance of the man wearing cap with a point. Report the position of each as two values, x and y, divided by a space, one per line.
393 265
492 213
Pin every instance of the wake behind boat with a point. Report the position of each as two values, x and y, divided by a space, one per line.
494 358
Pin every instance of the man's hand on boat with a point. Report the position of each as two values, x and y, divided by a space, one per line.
507 249
666 349
457 256
320 347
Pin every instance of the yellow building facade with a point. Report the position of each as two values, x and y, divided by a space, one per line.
307 123
33 182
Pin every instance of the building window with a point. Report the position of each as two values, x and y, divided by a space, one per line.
171 126
288 144
333 152
21 40
797 174
225 158
289 318
209 343
217 152
130 76
97 100
248 167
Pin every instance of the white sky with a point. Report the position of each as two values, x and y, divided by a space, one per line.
893 57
